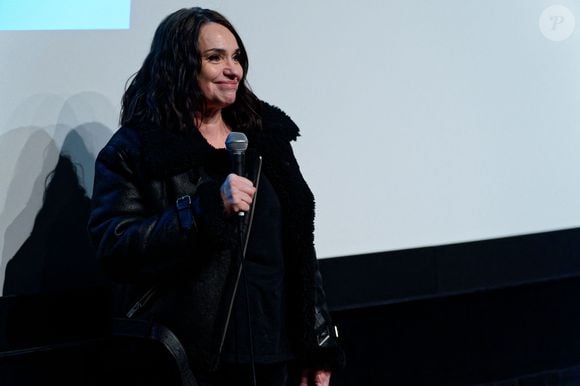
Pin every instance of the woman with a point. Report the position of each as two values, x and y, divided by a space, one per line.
165 214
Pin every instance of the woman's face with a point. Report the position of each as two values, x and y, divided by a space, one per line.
221 70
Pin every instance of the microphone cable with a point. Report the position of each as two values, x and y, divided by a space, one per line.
244 233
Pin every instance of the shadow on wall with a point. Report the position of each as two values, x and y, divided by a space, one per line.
57 255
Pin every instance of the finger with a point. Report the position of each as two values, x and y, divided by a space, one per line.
238 181
235 199
244 181
241 198
241 202
247 189
322 378
303 381
243 207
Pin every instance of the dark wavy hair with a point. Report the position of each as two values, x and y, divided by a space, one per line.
165 92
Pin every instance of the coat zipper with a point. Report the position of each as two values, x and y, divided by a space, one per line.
141 302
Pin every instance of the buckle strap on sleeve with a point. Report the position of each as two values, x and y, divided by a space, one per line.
183 205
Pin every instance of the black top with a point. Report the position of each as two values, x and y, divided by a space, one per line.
262 289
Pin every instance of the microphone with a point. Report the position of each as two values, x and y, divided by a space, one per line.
236 144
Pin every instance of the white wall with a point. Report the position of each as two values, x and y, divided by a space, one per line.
423 122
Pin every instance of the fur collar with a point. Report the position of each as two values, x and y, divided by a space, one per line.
167 153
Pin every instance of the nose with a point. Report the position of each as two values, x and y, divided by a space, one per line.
233 69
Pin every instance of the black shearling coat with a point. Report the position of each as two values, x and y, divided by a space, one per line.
184 276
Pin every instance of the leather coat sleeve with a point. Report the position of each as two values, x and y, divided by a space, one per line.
134 241
322 346
324 351
328 354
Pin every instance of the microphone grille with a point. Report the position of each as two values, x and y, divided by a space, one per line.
236 142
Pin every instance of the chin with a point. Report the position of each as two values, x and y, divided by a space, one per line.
221 104
229 102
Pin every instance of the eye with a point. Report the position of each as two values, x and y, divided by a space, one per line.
213 58
237 57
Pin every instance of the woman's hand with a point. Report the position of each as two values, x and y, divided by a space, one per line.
237 193
321 377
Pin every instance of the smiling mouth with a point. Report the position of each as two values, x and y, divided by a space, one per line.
228 85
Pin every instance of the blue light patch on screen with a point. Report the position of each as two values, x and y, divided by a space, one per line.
35 15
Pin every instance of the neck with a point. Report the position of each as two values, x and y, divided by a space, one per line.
213 128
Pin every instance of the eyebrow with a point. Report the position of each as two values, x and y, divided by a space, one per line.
220 50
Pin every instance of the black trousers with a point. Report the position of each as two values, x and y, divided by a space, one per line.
276 374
